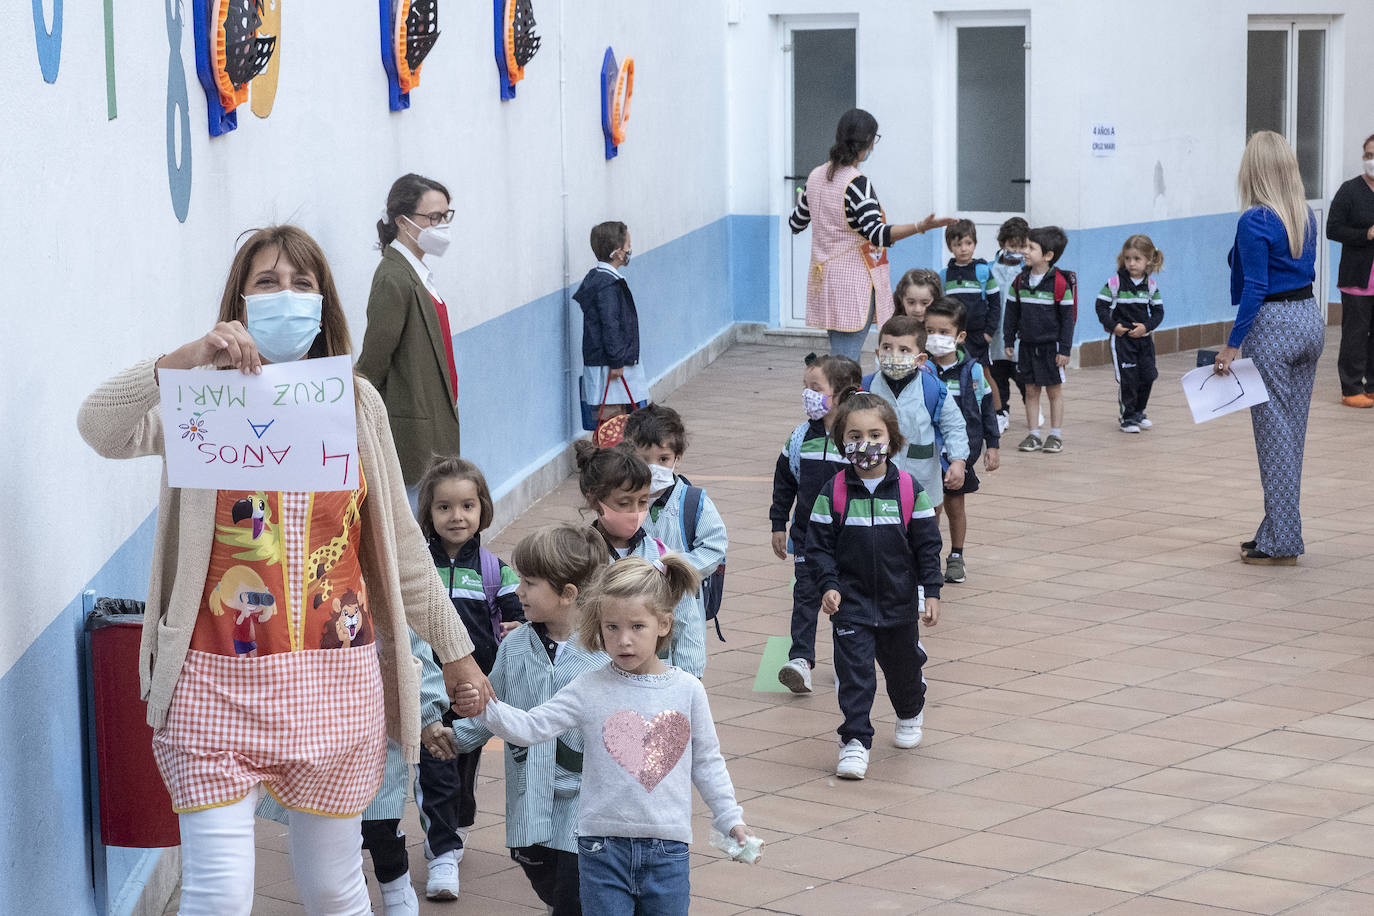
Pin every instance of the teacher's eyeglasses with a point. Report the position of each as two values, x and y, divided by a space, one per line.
437 217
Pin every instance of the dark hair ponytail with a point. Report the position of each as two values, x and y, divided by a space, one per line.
856 130
602 471
402 200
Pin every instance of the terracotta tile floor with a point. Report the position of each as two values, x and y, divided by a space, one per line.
1122 717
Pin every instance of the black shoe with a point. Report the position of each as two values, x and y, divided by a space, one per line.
1247 545
1260 558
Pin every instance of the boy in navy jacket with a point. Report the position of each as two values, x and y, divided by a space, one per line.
610 326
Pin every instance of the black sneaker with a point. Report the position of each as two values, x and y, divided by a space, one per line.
1031 443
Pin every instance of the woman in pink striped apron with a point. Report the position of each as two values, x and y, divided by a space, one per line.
848 286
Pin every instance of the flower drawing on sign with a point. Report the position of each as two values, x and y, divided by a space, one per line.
194 428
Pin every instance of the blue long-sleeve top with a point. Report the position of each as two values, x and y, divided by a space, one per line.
1261 264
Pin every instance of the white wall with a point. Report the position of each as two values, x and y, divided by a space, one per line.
1171 76
100 272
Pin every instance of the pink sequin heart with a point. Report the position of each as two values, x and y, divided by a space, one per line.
647 750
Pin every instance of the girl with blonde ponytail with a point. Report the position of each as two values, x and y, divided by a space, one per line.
647 739
1280 327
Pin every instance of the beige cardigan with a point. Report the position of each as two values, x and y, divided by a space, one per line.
121 419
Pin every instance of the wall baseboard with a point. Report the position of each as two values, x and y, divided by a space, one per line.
535 484
162 883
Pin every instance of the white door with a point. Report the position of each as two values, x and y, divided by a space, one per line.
820 78
983 160
1286 92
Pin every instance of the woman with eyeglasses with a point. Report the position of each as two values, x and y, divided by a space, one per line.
408 345
848 287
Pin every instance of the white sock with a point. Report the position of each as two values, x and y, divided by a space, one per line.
1056 431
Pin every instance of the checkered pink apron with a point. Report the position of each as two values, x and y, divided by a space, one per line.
847 272
281 685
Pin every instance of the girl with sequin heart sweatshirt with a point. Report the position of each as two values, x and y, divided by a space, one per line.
648 737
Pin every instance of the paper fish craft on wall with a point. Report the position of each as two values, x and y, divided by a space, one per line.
516 43
617 86
409 30
230 52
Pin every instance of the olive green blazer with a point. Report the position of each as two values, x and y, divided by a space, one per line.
403 357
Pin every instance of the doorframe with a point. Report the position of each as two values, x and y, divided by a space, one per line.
780 149
944 107
1333 128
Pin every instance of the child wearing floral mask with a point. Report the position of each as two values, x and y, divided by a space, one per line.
873 544
809 459
929 420
659 438
968 387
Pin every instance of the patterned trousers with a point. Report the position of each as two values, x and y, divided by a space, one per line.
1285 342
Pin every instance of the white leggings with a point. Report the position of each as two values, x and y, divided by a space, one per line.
217 858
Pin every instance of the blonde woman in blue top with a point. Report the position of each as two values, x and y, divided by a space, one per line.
1279 326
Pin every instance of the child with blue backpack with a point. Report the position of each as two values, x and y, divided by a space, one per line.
970 282
968 387
683 518
873 543
455 507
931 425
808 461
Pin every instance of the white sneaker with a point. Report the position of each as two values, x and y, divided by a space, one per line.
908 732
443 877
853 760
1144 423
1002 422
1127 427
398 898
796 676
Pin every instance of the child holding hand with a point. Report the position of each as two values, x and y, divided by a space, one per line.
648 739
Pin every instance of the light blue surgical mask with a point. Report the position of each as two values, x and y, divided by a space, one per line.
283 324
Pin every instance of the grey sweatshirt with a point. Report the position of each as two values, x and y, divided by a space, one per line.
648 738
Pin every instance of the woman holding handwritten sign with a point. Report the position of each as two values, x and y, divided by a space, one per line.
1280 327
260 660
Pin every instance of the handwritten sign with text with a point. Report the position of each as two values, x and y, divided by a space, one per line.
291 428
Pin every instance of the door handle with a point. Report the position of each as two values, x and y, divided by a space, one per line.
795 177
1020 181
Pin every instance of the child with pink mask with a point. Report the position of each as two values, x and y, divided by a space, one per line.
616 482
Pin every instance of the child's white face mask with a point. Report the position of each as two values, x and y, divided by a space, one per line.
661 478
940 344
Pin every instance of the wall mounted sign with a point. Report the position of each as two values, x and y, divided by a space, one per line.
49 40
1103 142
409 30
516 42
617 86
264 85
178 115
229 53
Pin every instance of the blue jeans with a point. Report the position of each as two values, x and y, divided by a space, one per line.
633 876
851 343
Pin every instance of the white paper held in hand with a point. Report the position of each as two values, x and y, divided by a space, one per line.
1210 395
293 427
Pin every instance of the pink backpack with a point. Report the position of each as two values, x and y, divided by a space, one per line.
839 496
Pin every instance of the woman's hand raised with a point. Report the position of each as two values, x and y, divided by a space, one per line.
228 345
935 222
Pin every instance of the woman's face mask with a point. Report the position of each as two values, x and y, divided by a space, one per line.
283 324
1369 167
432 239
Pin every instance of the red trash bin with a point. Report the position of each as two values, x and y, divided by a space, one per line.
135 809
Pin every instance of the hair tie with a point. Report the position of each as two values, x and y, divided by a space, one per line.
658 565
658 560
